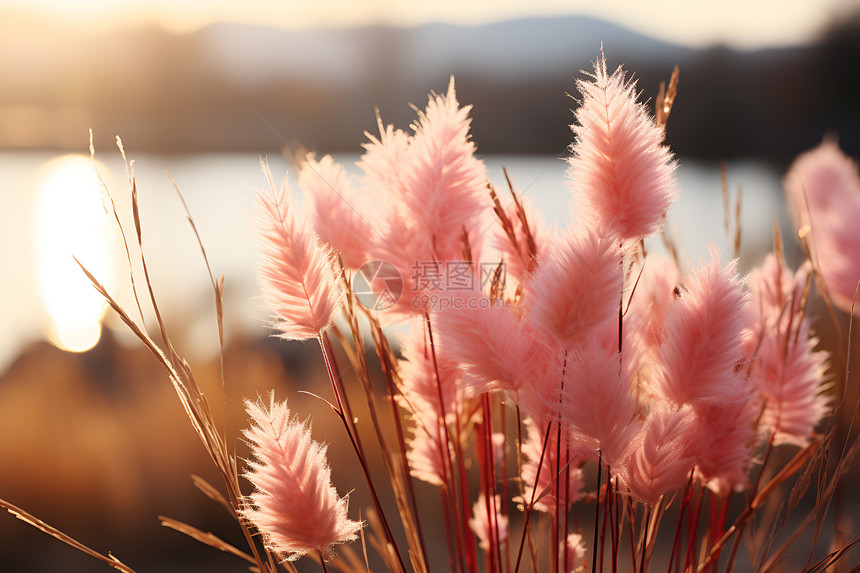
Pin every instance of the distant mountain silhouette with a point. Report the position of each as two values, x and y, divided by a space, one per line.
233 87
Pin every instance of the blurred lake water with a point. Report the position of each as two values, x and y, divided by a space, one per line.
219 191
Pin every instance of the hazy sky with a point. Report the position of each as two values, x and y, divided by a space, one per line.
741 23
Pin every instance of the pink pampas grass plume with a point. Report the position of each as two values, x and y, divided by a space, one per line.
419 384
621 175
577 287
649 304
790 374
658 460
445 185
704 330
823 187
487 521
491 343
296 273
544 490
427 449
294 505
595 399
333 204
723 441
383 161
575 553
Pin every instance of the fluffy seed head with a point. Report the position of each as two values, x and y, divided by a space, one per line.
487 521
823 187
333 209
294 505
296 272
621 175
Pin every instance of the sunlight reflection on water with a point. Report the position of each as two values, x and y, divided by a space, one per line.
71 223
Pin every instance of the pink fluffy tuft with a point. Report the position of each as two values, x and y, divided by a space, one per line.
823 187
490 343
296 272
596 398
620 173
294 505
544 490
789 372
445 184
704 331
420 387
487 521
723 441
427 447
577 287
574 551
659 460
333 203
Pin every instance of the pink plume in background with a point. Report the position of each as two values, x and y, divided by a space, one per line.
490 343
333 209
382 162
659 460
296 272
575 556
294 505
484 526
723 440
445 184
621 174
544 493
427 447
420 387
790 374
596 401
823 187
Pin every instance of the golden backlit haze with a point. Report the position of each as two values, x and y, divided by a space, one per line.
71 223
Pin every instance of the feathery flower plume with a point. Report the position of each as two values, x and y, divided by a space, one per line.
575 555
421 390
658 460
789 372
577 287
595 399
427 447
483 525
296 273
544 491
491 344
644 322
294 505
702 342
419 384
620 173
433 192
723 439
333 203
823 187
444 183
383 161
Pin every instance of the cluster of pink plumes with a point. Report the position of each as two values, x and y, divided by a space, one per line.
663 375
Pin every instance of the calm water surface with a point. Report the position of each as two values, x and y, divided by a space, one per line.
219 191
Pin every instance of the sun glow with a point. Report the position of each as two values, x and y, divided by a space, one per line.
71 223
